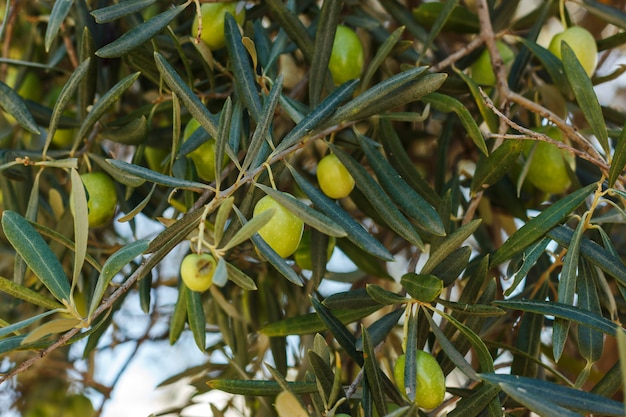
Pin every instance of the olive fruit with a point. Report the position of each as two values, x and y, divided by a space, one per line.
203 156
156 157
347 56
283 231
213 15
482 70
333 177
548 168
197 271
582 43
431 383
101 197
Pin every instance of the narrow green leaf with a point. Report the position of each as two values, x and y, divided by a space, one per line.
450 244
374 95
115 11
559 395
379 199
48 328
65 96
221 140
585 96
403 17
407 199
244 75
197 109
113 265
16 327
260 388
449 104
195 316
439 23
58 14
563 311
131 133
474 404
104 103
382 52
156 177
422 287
451 352
536 227
541 405
372 373
383 296
356 233
324 40
255 154
551 63
249 228
488 115
530 255
400 160
317 116
240 278
451 268
307 214
590 342
36 253
472 309
140 34
567 288
324 376
618 162
179 316
78 201
409 345
292 25
12 103
490 169
311 323
223 213
352 299
381 328
594 253
338 330
26 294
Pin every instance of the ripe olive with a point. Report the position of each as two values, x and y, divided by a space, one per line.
284 230
582 43
101 197
347 56
482 70
333 177
213 15
431 383
548 169
197 271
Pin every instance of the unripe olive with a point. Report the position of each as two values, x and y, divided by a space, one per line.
548 169
197 271
333 177
347 56
101 197
582 43
431 382
213 15
203 156
482 70
284 230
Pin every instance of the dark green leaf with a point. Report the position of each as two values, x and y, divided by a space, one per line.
356 233
12 103
422 287
585 96
338 330
413 204
57 16
260 388
115 11
538 226
590 342
372 373
36 253
490 169
619 158
324 40
140 34
551 63
156 177
450 244
195 316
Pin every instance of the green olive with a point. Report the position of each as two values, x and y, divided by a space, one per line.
548 169
101 197
213 15
196 271
302 256
333 177
482 70
582 43
430 384
347 56
203 156
284 230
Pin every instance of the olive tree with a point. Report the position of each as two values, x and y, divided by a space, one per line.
472 180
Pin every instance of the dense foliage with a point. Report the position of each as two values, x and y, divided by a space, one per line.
476 193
